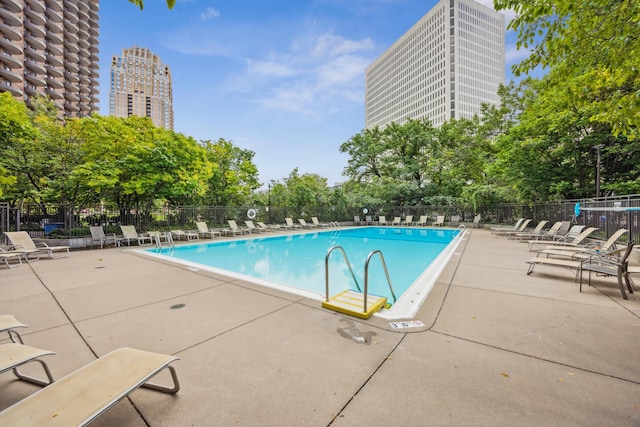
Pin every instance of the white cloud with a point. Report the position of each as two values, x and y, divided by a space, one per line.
315 75
209 14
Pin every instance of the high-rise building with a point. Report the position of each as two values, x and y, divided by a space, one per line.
448 64
50 48
141 86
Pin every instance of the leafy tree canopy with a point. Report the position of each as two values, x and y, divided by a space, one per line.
591 47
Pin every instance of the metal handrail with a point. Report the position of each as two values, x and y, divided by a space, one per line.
366 276
326 269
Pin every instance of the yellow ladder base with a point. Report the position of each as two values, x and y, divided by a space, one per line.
352 303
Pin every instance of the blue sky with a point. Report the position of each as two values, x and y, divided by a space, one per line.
282 78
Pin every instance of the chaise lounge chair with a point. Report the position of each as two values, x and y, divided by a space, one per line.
15 255
539 229
586 250
234 229
130 235
521 229
22 242
408 220
573 232
439 222
476 221
184 235
252 228
514 227
268 227
204 230
289 224
304 224
98 236
422 222
314 220
576 241
609 266
82 396
382 220
16 354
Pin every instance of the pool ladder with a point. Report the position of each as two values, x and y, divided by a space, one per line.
352 302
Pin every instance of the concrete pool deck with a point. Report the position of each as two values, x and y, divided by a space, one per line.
498 347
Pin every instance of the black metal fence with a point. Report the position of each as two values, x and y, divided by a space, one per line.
53 220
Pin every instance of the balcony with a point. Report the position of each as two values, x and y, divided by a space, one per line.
15 91
35 67
54 83
10 76
37 17
55 38
34 5
54 5
54 27
35 42
54 70
53 93
12 5
9 47
35 29
9 61
35 55
10 18
35 80
72 78
10 32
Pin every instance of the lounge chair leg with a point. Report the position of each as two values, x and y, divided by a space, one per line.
620 285
163 388
34 380
530 268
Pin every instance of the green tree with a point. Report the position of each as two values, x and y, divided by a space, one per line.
132 162
234 175
306 192
591 47
19 152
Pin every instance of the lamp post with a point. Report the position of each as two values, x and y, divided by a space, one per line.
598 148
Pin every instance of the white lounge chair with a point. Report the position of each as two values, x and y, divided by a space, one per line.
22 242
571 240
514 227
85 394
12 255
422 222
290 225
304 224
314 220
204 230
268 227
234 229
184 235
16 354
130 235
476 221
408 220
382 220
396 220
439 222
252 228
99 236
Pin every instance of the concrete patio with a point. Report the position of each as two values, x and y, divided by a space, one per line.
499 347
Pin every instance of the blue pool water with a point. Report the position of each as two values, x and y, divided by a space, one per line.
298 260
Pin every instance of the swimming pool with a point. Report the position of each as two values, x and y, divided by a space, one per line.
296 262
